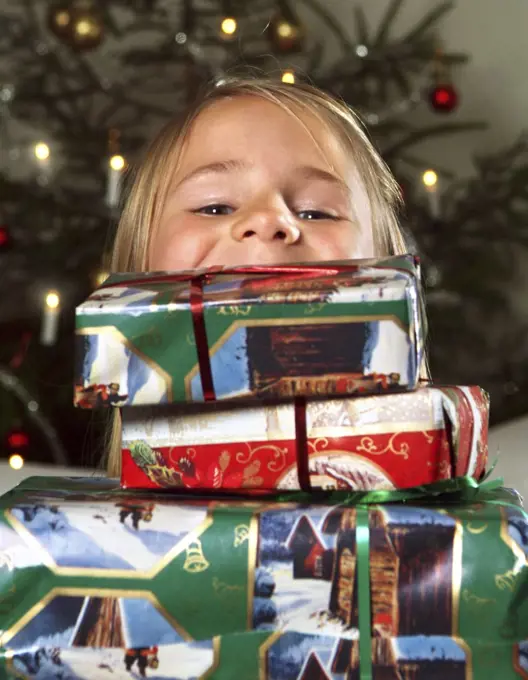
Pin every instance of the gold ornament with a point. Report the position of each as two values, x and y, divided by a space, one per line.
77 23
285 35
59 19
87 26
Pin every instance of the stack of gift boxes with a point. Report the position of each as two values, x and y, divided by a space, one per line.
296 502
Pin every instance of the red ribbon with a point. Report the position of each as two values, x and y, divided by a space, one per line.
200 337
187 276
301 443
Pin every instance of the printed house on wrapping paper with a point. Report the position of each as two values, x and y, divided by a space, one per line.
346 660
405 553
384 569
313 555
315 666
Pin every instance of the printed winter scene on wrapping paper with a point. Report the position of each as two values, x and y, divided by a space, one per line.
108 373
89 637
294 572
298 656
307 571
127 534
15 553
104 300
370 356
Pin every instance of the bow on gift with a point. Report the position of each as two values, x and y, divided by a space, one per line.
198 278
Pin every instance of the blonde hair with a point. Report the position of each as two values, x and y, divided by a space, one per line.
151 181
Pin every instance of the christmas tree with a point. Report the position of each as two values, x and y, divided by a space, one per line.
85 83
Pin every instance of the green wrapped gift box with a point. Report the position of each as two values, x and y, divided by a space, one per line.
96 581
312 330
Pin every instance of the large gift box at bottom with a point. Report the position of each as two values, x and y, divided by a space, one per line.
100 583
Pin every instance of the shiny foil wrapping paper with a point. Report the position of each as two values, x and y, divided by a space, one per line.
377 442
98 583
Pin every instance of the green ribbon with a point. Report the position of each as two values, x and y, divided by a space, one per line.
363 585
446 491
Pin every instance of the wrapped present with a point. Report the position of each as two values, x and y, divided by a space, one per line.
334 329
377 442
99 582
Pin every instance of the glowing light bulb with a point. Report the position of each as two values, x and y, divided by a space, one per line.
117 162
16 461
288 77
430 178
52 300
229 26
42 151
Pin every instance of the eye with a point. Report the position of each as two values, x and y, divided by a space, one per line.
315 215
215 209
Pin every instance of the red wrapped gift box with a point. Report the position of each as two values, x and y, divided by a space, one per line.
377 442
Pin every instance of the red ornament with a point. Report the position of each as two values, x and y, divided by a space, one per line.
443 98
17 439
5 237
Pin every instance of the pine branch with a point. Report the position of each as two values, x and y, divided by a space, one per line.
430 19
387 22
362 31
331 22
418 136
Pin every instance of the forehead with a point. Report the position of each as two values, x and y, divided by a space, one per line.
250 122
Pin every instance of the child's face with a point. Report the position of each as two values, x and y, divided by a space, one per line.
253 187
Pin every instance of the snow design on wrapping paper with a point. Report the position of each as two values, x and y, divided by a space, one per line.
57 625
291 604
106 361
127 534
184 661
288 656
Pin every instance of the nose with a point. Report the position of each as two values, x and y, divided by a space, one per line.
266 225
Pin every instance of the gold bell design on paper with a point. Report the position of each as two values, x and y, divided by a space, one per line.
195 561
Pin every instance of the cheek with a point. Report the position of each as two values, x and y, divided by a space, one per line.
344 242
179 244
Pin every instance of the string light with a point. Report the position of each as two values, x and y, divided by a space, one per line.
16 461
42 151
288 77
116 165
117 162
430 181
229 26
430 178
52 300
50 319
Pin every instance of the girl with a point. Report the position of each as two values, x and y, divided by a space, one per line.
257 172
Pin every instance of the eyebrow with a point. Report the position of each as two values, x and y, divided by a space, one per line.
223 167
